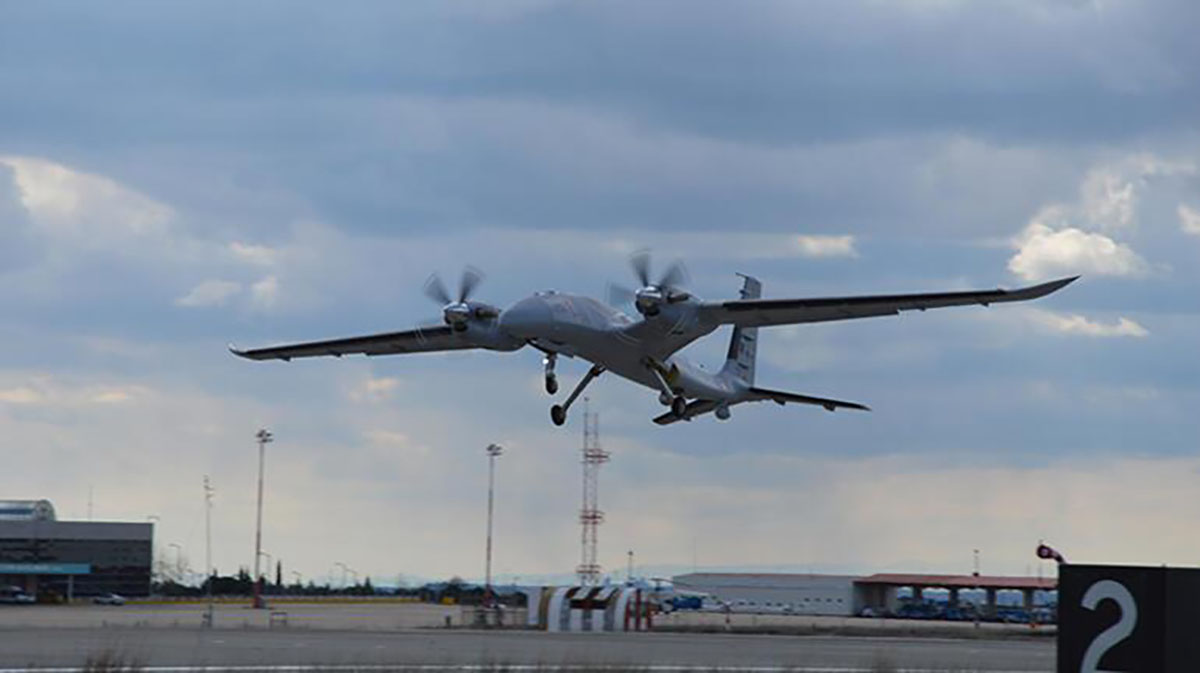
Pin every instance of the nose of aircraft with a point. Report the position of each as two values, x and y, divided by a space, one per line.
527 319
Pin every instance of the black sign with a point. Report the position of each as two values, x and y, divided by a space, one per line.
1128 618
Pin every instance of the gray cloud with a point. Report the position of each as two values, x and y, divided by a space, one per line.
307 166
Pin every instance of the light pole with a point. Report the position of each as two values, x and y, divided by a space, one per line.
264 437
208 569
270 562
151 519
493 451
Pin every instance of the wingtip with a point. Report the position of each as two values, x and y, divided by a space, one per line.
235 350
1043 289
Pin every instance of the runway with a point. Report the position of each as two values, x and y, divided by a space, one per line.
328 650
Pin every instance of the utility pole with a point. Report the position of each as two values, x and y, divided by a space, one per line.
493 452
264 437
208 569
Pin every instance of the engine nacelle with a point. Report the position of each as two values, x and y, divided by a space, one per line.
722 412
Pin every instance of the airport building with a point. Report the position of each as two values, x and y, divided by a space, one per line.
47 557
776 592
850 595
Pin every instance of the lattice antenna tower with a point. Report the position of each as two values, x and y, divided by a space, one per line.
590 516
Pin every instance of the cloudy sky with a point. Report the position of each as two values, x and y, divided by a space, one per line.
176 176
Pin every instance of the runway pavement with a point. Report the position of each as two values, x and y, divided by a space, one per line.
329 638
68 647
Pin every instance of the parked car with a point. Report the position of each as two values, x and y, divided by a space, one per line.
15 596
109 599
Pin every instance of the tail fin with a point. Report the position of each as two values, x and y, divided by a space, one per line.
743 347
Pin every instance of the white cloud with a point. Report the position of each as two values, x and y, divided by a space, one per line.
1189 220
210 293
1084 237
265 292
826 246
698 245
1108 199
87 209
60 393
375 389
1044 252
254 254
1073 323
20 395
113 396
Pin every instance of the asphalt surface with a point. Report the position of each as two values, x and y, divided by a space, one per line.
294 647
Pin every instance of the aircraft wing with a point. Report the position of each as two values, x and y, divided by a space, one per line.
780 397
441 338
763 312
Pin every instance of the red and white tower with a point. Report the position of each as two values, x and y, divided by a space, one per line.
590 516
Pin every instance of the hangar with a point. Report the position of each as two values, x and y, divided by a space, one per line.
46 557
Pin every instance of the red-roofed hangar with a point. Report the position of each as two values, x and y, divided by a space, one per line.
850 595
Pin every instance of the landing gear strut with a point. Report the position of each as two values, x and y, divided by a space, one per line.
551 378
678 402
558 412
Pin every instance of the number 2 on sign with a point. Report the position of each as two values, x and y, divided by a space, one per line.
1096 594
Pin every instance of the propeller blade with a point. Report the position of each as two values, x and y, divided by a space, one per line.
640 261
471 277
436 290
619 295
675 275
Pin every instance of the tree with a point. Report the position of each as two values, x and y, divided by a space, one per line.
279 573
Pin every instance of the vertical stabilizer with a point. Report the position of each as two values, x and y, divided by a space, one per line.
743 347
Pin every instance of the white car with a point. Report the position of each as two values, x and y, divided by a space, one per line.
109 599
15 596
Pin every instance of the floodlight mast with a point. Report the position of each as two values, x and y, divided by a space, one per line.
493 452
264 437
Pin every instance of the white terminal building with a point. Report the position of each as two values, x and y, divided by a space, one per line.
849 595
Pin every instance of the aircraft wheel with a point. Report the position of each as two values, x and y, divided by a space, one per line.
558 414
679 406
551 384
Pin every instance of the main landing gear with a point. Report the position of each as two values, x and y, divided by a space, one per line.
558 412
678 403
679 406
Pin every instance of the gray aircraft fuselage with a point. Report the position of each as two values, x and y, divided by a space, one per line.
575 325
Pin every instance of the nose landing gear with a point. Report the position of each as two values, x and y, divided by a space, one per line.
558 412
551 379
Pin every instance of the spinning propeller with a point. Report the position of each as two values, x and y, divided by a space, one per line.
458 312
651 295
